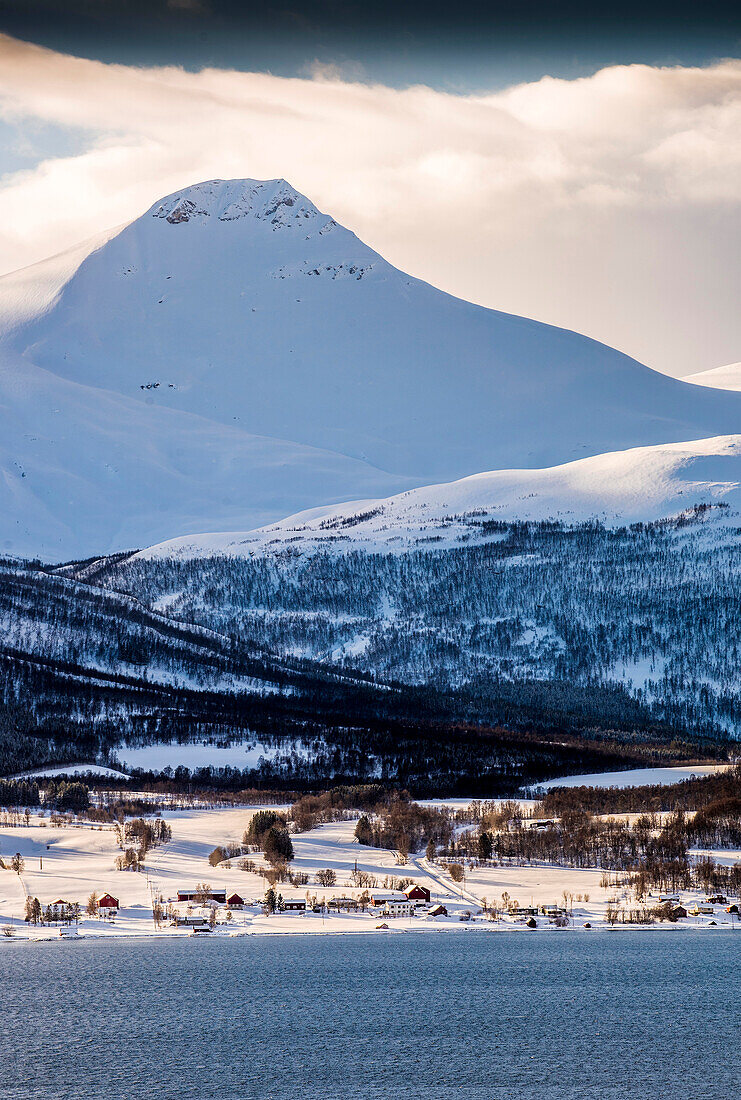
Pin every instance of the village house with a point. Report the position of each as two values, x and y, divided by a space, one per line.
551 911
342 903
294 905
398 908
107 905
191 922
60 910
235 901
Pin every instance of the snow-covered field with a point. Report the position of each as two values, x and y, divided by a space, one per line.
73 769
636 777
71 862
196 754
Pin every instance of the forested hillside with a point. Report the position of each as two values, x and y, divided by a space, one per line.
605 620
83 667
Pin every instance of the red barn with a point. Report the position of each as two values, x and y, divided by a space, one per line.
235 901
417 893
107 905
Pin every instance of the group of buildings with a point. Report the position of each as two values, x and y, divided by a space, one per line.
391 903
62 910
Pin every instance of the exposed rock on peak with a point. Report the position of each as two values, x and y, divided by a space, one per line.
273 201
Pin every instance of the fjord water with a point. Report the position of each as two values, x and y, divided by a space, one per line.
487 1017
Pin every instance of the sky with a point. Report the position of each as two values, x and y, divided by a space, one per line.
577 166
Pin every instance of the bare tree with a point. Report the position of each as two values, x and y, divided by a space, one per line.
202 892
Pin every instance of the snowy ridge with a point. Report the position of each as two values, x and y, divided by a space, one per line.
639 485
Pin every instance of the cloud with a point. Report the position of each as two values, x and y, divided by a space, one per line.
609 204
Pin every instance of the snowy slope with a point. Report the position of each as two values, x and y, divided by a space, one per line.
636 777
722 378
234 355
87 471
638 485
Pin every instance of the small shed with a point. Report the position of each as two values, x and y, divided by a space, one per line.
438 911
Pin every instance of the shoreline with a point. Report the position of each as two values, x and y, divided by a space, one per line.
436 931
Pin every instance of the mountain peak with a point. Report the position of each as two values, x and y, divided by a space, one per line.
272 201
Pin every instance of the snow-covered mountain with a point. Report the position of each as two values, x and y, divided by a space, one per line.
641 485
722 378
234 355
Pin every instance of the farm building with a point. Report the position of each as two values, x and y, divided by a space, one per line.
294 905
235 901
380 897
438 911
417 893
108 905
218 896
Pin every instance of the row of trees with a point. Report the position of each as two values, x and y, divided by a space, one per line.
35 913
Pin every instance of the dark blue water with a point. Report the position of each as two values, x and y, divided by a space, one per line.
597 1016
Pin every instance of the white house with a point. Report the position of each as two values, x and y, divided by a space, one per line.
396 907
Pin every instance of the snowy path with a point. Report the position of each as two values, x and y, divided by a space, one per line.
450 888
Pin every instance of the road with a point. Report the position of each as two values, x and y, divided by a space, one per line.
444 882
